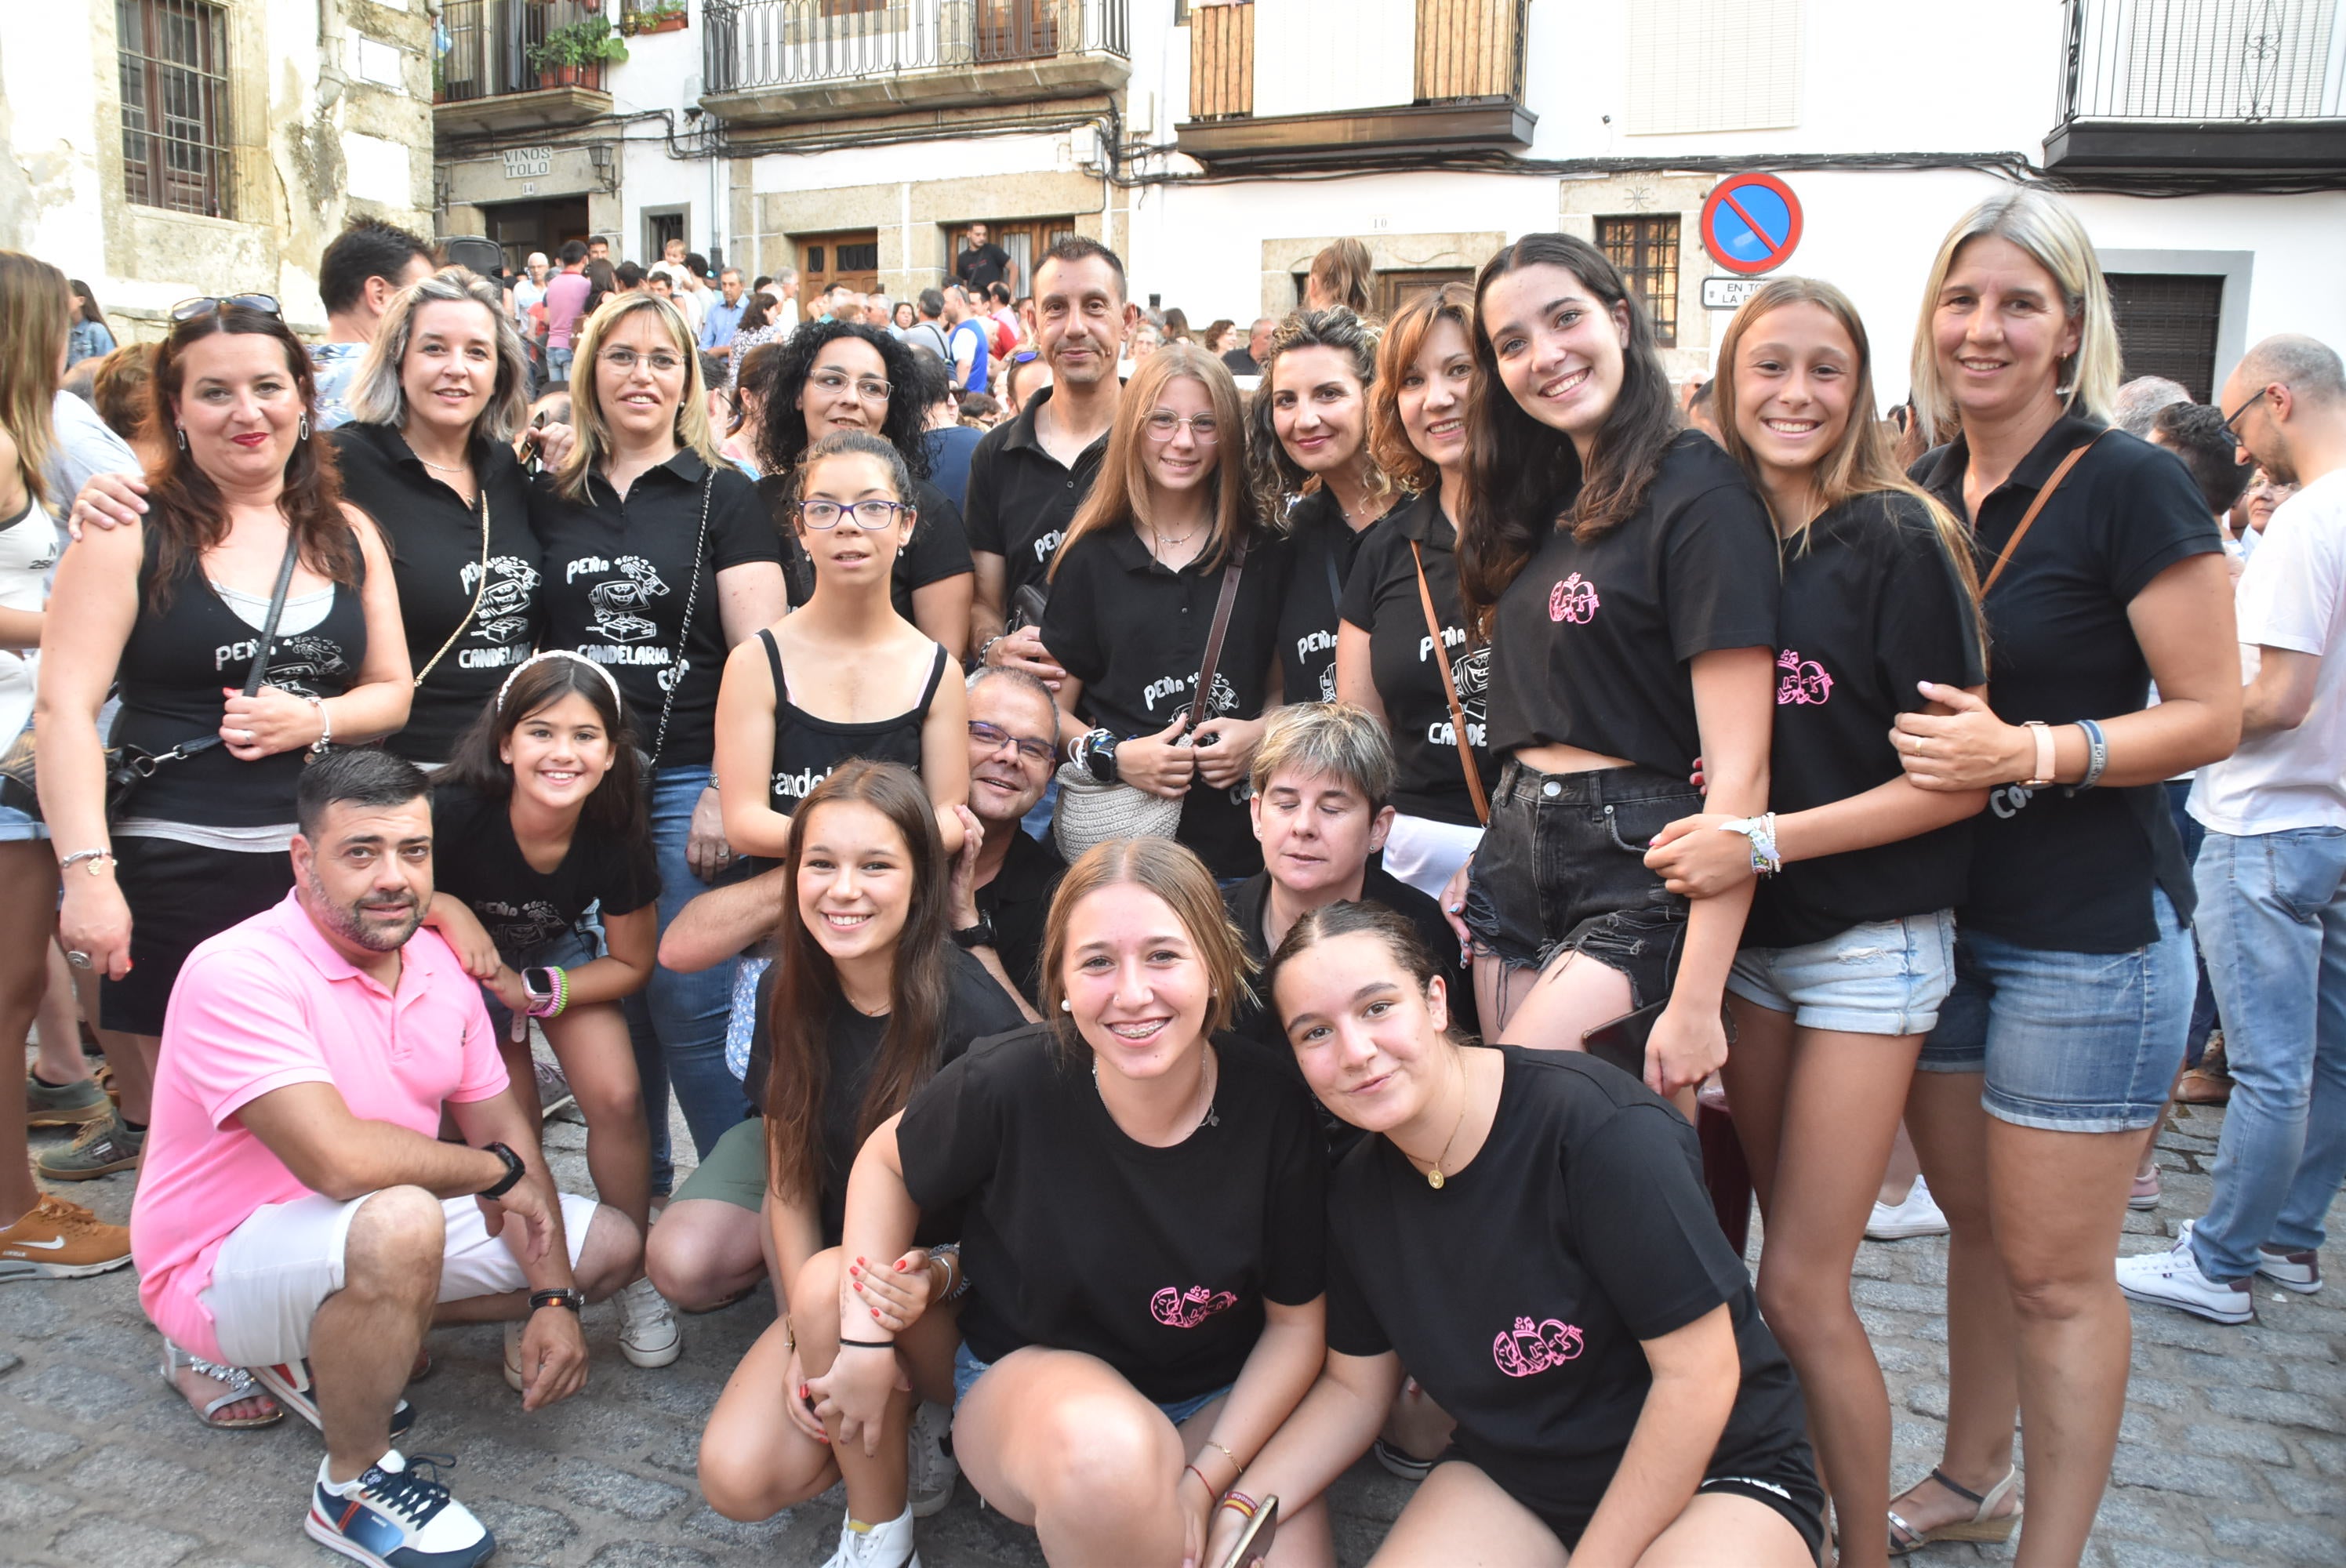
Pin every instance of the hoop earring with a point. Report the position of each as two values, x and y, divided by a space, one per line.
183 436
301 431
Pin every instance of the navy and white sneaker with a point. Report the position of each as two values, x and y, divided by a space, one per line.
397 1515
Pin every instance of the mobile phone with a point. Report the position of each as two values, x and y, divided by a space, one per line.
1253 1545
1622 1041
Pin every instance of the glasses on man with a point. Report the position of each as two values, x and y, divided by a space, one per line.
872 515
994 738
869 388
625 361
204 304
1164 423
2232 420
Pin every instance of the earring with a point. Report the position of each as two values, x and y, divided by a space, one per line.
183 436
301 432
1065 1005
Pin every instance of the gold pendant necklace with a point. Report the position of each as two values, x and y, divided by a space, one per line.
1434 1177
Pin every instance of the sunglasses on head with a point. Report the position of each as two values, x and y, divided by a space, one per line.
188 310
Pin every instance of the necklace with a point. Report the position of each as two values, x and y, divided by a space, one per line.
440 467
1164 543
1210 1119
1434 1177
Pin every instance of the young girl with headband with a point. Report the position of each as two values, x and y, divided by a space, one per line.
538 818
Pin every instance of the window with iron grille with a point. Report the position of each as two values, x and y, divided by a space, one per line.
1646 251
2167 326
174 118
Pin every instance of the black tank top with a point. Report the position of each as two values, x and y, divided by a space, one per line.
171 677
806 749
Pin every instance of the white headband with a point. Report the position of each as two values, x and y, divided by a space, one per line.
619 702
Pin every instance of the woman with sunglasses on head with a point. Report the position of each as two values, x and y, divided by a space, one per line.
1316 479
845 675
2074 964
1142 1208
658 561
840 375
1389 660
1134 590
244 527
1626 575
1847 954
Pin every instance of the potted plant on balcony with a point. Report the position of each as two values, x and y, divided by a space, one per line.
655 16
572 55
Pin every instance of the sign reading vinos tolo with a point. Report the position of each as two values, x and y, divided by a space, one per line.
528 162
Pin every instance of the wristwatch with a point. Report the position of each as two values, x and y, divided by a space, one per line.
1099 755
974 936
568 1296
515 1171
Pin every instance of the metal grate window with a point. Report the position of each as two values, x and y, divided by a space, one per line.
2167 326
174 69
1646 251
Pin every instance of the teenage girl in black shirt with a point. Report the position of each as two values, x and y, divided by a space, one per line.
845 676
1849 951
1626 575
1315 477
1528 1234
867 999
1145 1203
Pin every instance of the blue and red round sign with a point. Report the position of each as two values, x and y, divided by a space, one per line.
1750 223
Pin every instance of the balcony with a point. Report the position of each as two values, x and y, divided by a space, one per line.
2155 89
1453 85
490 80
776 63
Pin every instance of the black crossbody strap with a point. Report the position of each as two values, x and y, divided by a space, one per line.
1230 574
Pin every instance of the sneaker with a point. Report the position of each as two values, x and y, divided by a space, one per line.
930 1468
74 1104
100 1148
1917 1215
2298 1271
2172 1279
397 1515
553 1093
647 1331
2146 1192
888 1545
55 1240
1400 1462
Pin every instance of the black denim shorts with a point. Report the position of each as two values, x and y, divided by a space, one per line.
1562 868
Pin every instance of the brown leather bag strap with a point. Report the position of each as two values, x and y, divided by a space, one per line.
1450 690
2028 518
1229 597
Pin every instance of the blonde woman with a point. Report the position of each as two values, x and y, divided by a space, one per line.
658 560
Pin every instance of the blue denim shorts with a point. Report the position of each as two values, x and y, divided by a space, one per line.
20 827
2069 1042
1886 977
968 1368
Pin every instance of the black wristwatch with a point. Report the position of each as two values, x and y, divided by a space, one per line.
976 936
1099 755
515 1171
574 1299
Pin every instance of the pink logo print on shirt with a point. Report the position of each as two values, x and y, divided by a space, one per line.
1574 600
1805 681
1186 1309
1535 1348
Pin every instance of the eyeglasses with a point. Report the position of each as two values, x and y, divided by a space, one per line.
992 737
204 304
869 388
873 514
625 361
2232 420
1162 424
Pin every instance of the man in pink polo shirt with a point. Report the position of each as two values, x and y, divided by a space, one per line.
297 1213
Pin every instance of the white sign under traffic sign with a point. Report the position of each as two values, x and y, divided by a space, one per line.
1729 293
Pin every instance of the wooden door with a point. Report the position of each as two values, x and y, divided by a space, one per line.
1394 290
849 256
1026 238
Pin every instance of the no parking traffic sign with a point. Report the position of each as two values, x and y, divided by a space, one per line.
1750 223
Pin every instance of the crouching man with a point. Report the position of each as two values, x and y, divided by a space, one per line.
297 1214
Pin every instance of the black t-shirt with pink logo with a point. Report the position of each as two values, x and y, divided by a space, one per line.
1872 608
1158 1261
1517 1294
1590 644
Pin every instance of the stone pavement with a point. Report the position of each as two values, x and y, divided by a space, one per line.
2233 1451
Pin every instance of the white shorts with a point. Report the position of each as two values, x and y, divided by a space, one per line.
276 1270
1425 853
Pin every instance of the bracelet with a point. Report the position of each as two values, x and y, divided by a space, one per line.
552 1006
2043 733
95 858
1239 1503
985 645
1193 1470
847 1344
1761 831
325 741
2098 753
1225 1454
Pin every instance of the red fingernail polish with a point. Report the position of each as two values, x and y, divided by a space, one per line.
875 1312
859 1286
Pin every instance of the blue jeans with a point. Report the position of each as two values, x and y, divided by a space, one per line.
678 1021
2203 1006
558 367
2272 915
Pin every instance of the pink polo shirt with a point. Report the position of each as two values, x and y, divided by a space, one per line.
265 1003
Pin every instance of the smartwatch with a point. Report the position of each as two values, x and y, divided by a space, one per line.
515 1171
978 935
537 983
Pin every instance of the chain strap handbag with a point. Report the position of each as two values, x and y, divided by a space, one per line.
684 638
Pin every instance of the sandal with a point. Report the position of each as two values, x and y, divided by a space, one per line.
1905 1539
236 1379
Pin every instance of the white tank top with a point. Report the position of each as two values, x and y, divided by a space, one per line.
28 553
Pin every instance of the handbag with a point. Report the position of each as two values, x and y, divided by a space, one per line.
1091 812
1450 690
129 767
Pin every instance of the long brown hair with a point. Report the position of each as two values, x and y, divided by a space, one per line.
1174 873
615 806
185 506
1276 476
1119 492
802 987
1404 337
1343 269
36 315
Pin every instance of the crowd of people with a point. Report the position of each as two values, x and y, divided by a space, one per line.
1176 919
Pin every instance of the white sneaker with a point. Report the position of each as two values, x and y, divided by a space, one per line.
2172 1279
2298 1271
397 1514
930 1469
1917 1215
647 1332
888 1545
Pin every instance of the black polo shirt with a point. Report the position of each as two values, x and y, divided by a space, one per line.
434 541
1018 903
1021 498
1135 634
938 549
1325 547
1241 363
617 576
2060 869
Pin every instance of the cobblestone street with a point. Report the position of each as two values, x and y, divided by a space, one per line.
2233 1451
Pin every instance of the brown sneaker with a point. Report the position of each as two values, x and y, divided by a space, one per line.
101 1149
73 1105
59 1240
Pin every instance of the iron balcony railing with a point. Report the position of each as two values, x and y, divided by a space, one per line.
2201 61
486 48
793 43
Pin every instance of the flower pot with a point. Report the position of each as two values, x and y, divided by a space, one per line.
670 25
